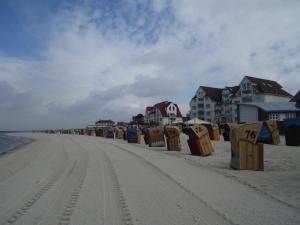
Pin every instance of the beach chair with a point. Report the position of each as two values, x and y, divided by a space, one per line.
173 138
246 153
292 132
155 137
199 141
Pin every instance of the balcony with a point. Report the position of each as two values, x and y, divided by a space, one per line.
247 92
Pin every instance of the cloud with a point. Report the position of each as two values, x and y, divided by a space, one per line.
109 59
13 102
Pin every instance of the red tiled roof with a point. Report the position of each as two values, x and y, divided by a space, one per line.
149 110
178 111
162 108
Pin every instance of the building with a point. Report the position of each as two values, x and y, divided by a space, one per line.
259 111
206 104
105 123
149 115
254 89
163 113
220 104
296 99
122 124
138 119
229 102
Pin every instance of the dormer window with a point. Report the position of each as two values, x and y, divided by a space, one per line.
246 86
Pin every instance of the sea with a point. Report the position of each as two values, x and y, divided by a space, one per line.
8 143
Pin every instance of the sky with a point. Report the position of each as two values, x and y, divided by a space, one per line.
68 63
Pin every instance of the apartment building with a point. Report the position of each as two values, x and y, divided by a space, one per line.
229 104
220 104
206 104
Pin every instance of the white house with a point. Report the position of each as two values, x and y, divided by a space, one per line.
163 113
220 104
254 89
206 104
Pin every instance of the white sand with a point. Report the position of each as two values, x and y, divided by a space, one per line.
70 179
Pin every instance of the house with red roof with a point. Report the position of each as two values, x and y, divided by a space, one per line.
163 113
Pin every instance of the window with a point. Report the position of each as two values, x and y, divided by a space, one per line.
291 115
200 112
200 105
200 99
207 105
208 113
194 107
246 86
273 116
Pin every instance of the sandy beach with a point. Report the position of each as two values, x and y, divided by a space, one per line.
71 179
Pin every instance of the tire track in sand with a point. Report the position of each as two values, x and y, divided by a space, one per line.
235 178
41 191
180 185
126 218
67 213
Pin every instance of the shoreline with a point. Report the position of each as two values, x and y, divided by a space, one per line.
25 141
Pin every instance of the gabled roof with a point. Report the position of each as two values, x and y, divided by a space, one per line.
233 89
162 106
178 111
268 86
149 110
296 98
213 93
